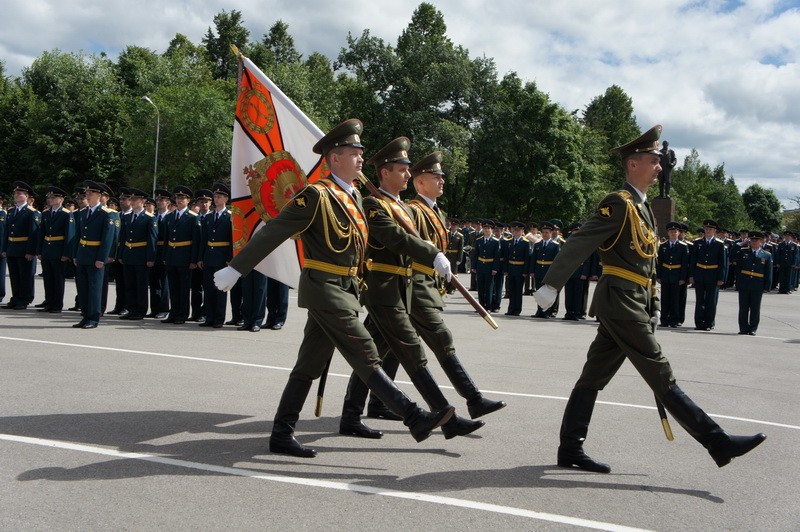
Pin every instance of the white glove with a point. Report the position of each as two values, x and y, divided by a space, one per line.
655 320
226 278
545 296
442 266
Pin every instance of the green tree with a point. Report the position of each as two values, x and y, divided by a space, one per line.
763 207
228 30
15 135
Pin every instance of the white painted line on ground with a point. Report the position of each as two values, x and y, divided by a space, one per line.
279 368
342 486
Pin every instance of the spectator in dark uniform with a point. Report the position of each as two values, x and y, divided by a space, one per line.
108 201
455 251
54 248
683 290
517 265
785 257
707 271
182 247
277 304
201 204
159 287
485 264
137 255
22 236
216 253
3 260
753 278
673 270
544 253
573 289
94 241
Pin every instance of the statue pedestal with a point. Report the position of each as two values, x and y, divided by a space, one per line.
664 209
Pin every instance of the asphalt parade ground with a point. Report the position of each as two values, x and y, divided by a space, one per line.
144 426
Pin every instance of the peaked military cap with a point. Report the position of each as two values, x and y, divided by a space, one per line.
755 234
162 193
345 134
430 164
575 225
70 203
487 223
394 152
181 190
150 200
22 186
534 225
204 193
710 223
646 143
136 193
743 230
56 191
673 225
91 186
105 189
124 192
221 188
547 225
518 225
556 223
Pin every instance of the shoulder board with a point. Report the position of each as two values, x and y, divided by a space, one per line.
683 243
720 241
495 239
31 208
107 209
508 238
625 195
190 211
526 239
64 209
149 214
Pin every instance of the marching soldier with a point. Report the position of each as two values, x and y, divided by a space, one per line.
517 266
329 219
673 270
94 241
485 264
217 252
182 234
22 236
544 253
753 278
393 255
625 302
707 273
137 255
54 249
159 287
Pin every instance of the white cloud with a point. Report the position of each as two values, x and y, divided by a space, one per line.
721 76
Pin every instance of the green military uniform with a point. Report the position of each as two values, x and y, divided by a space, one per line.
391 251
625 303
331 224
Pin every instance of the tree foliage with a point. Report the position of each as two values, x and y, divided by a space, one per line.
763 207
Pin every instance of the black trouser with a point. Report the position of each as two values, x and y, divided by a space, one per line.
159 291
573 297
216 301
515 283
705 310
53 275
670 303
749 308
179 279
119 286
254 298
277 302
20 273
89 280
136 289
197 293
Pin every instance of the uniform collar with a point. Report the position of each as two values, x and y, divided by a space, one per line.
347 187
429 201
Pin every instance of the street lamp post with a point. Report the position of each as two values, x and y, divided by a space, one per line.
158 127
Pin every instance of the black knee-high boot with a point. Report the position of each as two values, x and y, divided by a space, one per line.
376 408
353 407
574 428
282 440
457 426
477 404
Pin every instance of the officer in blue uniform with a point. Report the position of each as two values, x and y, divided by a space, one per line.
22 236
485 264
786 257
673 270
753 278
574 288
683 290
114 271
95 231
544 253
182 248
201 203
54 249
517 257
216 252
3 260
504 237
159 287
277 304
707 269
137 245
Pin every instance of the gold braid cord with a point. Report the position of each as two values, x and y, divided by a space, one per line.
643 239
331 223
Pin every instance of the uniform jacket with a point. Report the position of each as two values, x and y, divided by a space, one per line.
753 270
161 221
390 245
3 215
543 257
328 235
94 237
137 240
609 231
182 239
487 249
455 248
673 262
786 254
431 227
22 231
709 262
56 234
517 257
217 240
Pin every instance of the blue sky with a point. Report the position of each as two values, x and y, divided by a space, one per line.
720 76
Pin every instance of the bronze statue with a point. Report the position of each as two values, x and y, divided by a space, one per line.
668 162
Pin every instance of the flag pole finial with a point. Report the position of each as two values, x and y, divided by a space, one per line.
235 50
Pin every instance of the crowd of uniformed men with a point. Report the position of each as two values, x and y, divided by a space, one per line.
161 252
511 260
